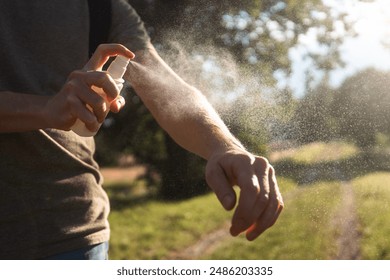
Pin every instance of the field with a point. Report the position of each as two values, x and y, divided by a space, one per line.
336 207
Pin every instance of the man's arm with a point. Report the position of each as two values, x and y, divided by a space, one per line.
190 120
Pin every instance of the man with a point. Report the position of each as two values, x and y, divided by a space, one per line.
51 199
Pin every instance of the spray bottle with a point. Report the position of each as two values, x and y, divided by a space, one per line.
116 69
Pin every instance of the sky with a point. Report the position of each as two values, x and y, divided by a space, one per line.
372 24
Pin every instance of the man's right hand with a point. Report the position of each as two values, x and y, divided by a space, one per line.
70 104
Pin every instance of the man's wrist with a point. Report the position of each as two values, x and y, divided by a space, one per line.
224 147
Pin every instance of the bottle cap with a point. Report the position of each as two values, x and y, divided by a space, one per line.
118 67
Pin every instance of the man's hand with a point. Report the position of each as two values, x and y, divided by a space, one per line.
69 104
260 201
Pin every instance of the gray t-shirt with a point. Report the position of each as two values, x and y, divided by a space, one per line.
51 195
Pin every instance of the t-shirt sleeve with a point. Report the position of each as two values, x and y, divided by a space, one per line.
127 28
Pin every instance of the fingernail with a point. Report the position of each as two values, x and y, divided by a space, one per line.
251 236
120 102
254 234
233 232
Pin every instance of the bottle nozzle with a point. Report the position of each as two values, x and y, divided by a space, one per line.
118 67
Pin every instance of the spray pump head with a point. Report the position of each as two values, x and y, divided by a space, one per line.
118 67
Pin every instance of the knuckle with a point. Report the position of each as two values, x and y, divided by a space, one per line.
71 98
101 47
70 86
264 161
103 77
98 75
262 164
76 74
264 198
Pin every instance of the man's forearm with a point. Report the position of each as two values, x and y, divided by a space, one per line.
179 108
21 112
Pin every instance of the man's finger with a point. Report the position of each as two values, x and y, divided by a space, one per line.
117 104
104 52
262 171
79 111
103 81
263 224
246 212
254 196
217 180
271 213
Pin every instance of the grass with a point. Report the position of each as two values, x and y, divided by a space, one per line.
286 185
302 231
146 228
373 200
152 229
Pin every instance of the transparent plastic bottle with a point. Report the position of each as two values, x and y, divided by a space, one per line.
116 70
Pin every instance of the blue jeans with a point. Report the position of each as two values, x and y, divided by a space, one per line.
93 252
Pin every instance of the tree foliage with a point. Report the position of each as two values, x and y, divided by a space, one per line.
362 106
313 118
259 32
356 111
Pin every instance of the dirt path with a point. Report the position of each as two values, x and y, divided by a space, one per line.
122 174
347 224
204 246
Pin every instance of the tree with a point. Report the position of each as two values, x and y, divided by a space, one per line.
362 106
313 119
